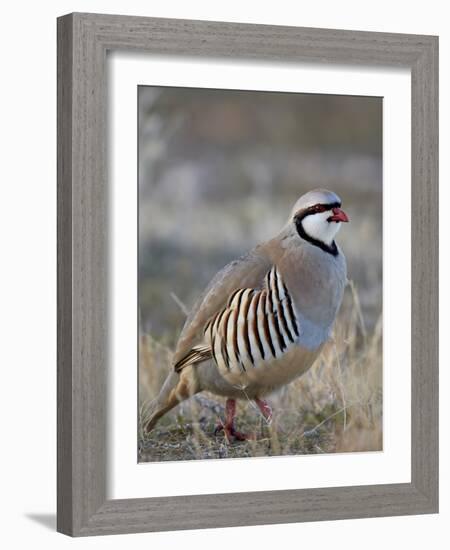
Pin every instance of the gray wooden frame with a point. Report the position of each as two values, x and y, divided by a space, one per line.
83 41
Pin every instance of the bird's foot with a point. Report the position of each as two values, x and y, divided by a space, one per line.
228 428
232 434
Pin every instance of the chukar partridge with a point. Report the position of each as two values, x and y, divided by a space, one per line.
264 318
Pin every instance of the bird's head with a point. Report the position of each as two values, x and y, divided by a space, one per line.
317 217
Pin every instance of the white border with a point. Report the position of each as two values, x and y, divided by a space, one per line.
126 478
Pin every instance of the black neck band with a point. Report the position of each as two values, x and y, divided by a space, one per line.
331 249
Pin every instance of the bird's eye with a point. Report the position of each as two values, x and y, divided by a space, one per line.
319 208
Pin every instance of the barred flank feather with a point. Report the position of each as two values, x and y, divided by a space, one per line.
196 355
256 326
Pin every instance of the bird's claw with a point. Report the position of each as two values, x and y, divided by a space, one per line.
232 434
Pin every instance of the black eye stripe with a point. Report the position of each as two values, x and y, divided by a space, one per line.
316 208
323 207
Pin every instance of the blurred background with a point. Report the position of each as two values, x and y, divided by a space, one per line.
219 171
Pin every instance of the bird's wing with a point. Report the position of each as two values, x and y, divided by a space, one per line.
246 272
255 327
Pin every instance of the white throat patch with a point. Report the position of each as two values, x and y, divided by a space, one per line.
317 227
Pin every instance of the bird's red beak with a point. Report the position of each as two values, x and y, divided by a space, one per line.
338 216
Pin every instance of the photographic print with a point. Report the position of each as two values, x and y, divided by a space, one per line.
260 274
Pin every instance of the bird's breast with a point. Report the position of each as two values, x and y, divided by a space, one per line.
316 281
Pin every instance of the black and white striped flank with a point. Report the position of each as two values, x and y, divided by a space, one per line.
256 326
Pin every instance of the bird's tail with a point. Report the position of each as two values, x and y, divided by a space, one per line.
176 388
152 410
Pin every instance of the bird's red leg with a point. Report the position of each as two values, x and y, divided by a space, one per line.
228 428
230 408
265 409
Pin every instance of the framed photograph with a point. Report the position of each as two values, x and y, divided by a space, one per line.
247 274
231 187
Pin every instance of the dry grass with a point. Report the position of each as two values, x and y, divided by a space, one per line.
335 407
